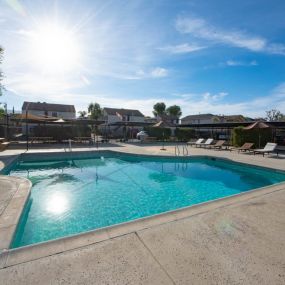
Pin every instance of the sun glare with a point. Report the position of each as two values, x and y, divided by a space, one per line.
57 204
54 48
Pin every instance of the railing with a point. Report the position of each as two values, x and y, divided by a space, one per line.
184 151
177 150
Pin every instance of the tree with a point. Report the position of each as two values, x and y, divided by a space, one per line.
95 112
82 114
274 115
159 109
174 111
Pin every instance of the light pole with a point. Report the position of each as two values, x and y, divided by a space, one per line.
27 130
6 118
163 148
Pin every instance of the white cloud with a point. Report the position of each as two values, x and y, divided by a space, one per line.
43 85
191 103
240 63
215 97
199 28
182 48
159 72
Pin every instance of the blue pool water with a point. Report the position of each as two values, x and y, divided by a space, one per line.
73 196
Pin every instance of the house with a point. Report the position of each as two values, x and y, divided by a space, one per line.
115 117
211 119
112 115
234 118
168 119
200 119
49 110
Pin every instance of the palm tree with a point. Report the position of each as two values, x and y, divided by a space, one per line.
95 112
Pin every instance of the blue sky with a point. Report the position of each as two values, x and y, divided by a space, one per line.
222 57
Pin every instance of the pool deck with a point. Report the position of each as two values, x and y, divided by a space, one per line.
235 240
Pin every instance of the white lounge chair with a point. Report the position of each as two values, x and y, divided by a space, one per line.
207 143
269 148
196 143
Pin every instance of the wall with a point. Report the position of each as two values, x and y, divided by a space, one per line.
63 115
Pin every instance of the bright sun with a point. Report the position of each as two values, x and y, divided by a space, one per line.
54 48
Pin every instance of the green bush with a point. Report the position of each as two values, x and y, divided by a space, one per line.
240 136
184 134
159 133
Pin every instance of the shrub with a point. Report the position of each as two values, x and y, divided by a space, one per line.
184 134
240 136
159 133
60 133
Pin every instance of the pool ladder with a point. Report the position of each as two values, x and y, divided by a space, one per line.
184 151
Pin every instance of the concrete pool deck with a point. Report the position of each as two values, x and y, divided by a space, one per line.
236 240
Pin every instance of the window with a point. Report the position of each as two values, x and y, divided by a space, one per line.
54 114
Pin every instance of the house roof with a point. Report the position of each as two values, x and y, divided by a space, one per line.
233 118
198 117
38 106
123 112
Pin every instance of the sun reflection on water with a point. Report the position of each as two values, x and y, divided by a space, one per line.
58 203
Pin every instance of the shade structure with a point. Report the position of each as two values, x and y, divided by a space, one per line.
259 125
162 124
60 121
31 117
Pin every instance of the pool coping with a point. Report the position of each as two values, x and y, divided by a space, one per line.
10 216
10 257
49 155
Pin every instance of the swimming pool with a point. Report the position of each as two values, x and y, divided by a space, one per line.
74 195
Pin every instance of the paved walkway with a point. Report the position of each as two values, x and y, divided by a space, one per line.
241 241
268 161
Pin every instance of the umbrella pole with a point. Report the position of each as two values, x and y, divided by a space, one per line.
163 148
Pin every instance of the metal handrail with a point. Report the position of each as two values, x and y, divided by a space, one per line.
185 150
177 150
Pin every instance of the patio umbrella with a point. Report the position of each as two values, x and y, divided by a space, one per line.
259 125
59 121
162 124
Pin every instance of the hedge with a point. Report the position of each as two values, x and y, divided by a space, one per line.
240 136
159 133
184 134
62 132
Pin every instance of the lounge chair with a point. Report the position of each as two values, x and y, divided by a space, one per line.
196 143
4 145
245 147
218 145
208 142
269 148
